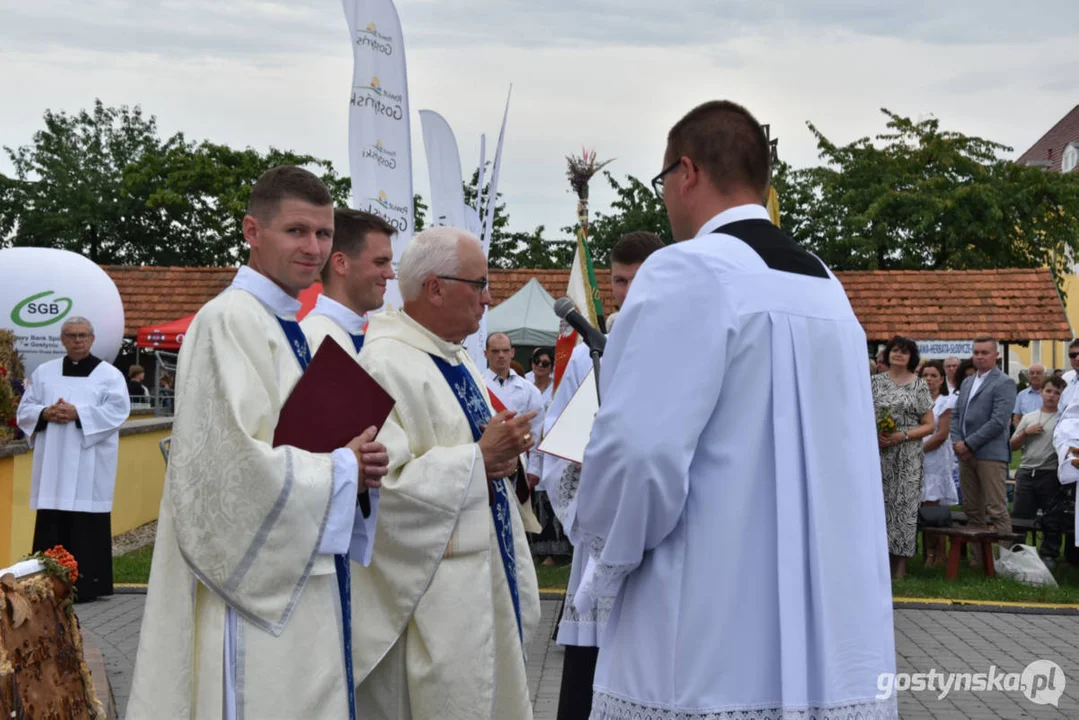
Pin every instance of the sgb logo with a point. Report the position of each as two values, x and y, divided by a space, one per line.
38 311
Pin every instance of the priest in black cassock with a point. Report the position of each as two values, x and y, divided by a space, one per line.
71 413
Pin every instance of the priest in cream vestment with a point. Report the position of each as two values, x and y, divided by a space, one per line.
353 280
244 612
449 601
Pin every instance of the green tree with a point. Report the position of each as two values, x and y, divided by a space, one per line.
636 207
419 213
102 183
918 197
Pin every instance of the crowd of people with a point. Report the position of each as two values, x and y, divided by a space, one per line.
392 577
956 425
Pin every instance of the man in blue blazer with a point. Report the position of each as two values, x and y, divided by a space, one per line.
980 430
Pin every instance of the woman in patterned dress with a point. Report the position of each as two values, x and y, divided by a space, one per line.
907 397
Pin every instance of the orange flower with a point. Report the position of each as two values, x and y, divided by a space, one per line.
66 560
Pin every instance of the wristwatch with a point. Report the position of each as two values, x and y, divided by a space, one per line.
905 436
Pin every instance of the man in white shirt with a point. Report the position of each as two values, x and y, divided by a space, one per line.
1030 399
247 610
759 433
515 393
1070 376
71 414
353 280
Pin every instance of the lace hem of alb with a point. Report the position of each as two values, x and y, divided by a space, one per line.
610 707
597 612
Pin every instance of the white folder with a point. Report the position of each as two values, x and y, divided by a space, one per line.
569 434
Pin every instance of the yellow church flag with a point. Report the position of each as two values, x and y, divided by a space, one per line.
773 205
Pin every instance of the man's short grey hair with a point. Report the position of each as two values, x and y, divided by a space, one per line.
435 251
77 320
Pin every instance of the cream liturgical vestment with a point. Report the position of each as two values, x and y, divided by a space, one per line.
731 495
243 616
440 637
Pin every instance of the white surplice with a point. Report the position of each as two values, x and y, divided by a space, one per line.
243 616
74 463
731 494
436 637
582 623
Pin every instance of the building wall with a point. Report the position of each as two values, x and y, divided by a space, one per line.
1053 354
140 478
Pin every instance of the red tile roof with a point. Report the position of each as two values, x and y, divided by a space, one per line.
505 283
1012 305
1051 146
154 295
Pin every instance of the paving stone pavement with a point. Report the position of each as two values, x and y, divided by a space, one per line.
945 641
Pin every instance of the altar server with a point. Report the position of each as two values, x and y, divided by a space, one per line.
71 413
730 491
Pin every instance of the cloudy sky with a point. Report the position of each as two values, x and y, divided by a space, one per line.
610 74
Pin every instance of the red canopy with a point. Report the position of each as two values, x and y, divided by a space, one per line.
170 335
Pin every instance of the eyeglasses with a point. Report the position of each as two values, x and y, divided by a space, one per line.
657 181
77 336
542 363
478 285
1073 355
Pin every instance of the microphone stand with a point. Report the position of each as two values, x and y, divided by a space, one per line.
596 355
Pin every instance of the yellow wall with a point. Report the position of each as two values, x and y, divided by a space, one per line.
140 477
1053 354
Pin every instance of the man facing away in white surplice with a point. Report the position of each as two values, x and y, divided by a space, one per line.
449 601
764 433
247 601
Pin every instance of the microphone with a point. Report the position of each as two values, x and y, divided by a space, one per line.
565 309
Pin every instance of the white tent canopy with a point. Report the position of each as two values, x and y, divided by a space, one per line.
527 317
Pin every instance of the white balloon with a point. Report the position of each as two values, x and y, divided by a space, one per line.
42 287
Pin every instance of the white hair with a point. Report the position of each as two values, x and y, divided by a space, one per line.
435 251
77 320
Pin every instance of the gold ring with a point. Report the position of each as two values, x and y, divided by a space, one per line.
527 438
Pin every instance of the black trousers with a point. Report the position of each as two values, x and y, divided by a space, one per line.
88 537
578 671
1041 490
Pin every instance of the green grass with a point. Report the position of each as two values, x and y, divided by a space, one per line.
972 584
133 567
552 577
919 583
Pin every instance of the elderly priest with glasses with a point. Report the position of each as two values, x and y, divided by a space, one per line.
449 601
71 414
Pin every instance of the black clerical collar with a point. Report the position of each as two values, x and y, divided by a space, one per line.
80 368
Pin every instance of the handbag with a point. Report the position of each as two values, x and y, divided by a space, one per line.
935 516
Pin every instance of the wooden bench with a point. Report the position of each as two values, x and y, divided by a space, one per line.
960 536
